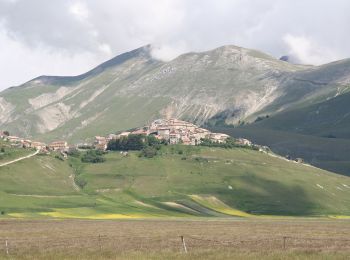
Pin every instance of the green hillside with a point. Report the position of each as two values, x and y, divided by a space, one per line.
180 182
318 132
9 153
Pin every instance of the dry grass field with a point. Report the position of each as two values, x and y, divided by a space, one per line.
160 239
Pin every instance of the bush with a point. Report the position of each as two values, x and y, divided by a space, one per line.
59 157
2 149
134 143
148 152
93 156
80 182
73 152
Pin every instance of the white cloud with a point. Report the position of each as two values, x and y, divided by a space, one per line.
79 10
52 36
307 51
20 63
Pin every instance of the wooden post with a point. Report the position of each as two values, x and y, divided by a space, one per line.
184 244
284 242
7 247
99 242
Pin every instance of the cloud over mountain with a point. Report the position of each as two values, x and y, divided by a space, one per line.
69 36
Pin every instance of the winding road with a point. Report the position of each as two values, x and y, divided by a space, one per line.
20 159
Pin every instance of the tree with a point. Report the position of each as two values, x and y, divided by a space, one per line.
149 152
93 156
135 142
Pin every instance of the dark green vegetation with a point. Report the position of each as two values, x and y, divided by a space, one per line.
180 181
133 143
93 156
148 145
229 144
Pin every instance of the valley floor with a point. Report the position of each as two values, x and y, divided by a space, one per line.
160 239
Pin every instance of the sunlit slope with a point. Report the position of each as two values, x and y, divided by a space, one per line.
194 86
181 182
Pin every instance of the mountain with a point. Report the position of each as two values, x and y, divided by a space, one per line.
133 88
181 181
226 86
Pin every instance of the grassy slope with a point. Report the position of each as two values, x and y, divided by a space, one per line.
221 182
12 153
303 131
332 154
326 118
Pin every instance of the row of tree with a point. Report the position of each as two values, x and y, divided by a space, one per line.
148 145
230 143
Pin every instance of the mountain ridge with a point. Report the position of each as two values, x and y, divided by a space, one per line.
228 84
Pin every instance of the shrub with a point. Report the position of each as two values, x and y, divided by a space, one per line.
59 157
149 152
2 149
93 156
134 142
73 152
80 182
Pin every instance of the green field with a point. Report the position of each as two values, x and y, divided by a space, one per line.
180 182
8 153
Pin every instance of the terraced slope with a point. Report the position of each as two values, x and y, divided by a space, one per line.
180 182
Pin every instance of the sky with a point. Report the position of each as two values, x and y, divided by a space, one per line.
69 37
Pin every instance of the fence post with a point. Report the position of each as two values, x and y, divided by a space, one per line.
7 247
284 242
184 244
99 242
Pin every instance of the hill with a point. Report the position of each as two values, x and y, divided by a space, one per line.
317 132
182 181
228 83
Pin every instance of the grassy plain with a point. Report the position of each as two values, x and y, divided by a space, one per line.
151 239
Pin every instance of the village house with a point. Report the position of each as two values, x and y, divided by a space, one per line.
123 134
112 137
100 143
164 132
38 145
58 146
218 137
174 137
13 139
174 131
26 143
141 131
242 141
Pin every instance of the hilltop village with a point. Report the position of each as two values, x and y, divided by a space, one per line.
171 131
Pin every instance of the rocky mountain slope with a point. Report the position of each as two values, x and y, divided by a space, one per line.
228 84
